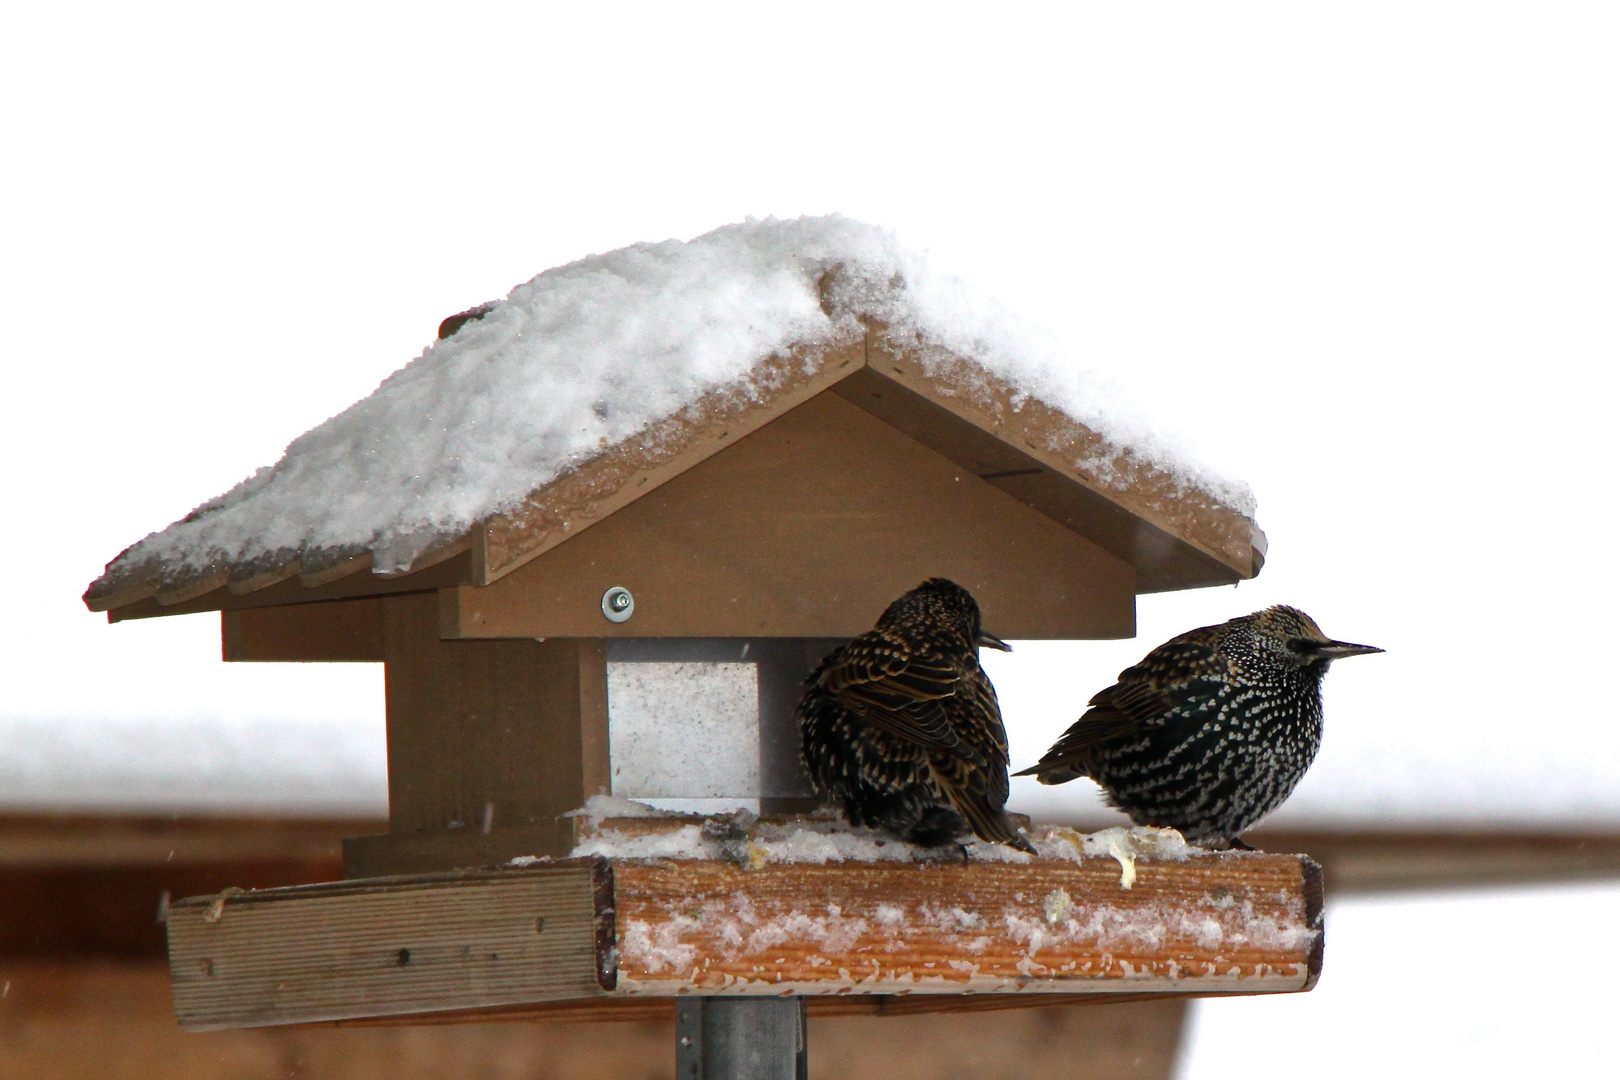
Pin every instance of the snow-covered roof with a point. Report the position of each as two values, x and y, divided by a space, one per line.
624 356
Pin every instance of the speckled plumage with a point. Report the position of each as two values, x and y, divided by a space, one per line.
1212 730
902 727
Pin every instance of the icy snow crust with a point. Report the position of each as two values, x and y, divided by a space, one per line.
744 838
668 946
586 356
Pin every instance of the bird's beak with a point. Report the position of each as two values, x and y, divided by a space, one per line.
990 641
1338 650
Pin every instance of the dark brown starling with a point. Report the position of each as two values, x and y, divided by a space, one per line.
1211 731
902 726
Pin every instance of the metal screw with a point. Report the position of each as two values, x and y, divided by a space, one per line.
618 605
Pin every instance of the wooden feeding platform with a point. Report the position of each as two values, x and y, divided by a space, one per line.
609 931
640 624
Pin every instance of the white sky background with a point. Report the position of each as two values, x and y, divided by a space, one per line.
1363 258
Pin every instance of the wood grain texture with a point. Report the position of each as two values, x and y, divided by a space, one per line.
583 930
1232 923
486 736
807 528
324 952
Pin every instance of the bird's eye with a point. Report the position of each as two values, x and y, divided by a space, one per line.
1303 646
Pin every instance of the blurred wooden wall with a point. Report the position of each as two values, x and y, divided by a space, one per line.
84 989
111 1021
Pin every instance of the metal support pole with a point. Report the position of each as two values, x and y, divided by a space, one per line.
741 1038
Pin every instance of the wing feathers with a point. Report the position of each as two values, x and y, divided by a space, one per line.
1168 677
936 697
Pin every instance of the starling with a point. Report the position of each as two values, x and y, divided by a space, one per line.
1211 731
902 726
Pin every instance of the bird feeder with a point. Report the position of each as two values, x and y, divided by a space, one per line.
639 624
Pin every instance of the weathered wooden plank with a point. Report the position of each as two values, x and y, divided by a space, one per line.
1217 923
328 952
511 940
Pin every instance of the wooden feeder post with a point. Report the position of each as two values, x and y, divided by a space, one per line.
640 626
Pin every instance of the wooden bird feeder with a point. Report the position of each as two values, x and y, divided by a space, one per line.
640 625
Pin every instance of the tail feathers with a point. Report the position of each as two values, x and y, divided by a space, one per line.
1101 724
987 822
1048 771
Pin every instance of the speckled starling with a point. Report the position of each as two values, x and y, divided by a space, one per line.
901 725
1211 731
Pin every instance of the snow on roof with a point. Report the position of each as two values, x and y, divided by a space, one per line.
585 356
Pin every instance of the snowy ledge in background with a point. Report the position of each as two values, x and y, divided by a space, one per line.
195 765
338 768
